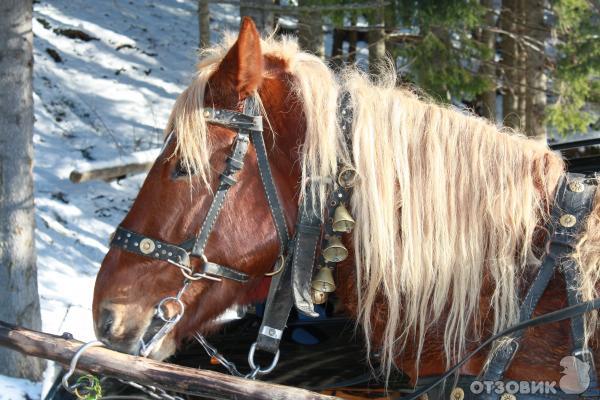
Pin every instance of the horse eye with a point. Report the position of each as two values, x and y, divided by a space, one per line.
181 170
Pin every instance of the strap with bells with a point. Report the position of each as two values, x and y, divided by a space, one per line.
339 220
294 284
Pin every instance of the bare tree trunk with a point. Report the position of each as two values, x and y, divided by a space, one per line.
536 74
264 19
352 41
521 67
488 38
510 64
337 49
310 30
204 23
19 301
377 40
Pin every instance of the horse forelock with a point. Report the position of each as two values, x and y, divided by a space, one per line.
444 201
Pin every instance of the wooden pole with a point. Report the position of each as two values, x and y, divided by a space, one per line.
100 360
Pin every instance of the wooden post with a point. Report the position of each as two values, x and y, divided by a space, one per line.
184 380
352 39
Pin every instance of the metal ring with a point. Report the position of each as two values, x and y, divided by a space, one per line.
352 181
278 270
256 370
194 276
73 364
189 273
161 314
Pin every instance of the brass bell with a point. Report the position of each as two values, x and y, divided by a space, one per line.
335 250
318 297
342 220
323 280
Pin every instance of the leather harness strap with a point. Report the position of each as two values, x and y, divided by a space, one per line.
573 202
235 162
266 178
293 285
282 291
554 316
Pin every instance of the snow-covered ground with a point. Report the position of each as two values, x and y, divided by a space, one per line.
108 97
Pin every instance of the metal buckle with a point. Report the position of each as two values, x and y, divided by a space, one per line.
188 273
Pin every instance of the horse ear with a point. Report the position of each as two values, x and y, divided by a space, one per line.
243 64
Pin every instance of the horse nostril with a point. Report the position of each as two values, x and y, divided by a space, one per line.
106 327
106 323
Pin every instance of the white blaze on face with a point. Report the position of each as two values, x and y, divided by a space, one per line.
576 375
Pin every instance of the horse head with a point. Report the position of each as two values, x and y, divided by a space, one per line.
175 198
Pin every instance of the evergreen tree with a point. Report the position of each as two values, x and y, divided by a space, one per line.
445 59
576 83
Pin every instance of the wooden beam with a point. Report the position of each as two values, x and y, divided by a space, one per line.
135 163
102 361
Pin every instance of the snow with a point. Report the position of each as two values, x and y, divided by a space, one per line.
11 389
108 98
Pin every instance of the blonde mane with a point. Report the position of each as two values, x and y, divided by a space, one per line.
444 200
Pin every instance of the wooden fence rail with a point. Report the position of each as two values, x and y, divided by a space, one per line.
102 361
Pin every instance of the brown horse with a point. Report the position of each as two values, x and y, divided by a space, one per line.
448 210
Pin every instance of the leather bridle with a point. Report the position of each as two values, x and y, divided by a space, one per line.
180 255
293 270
